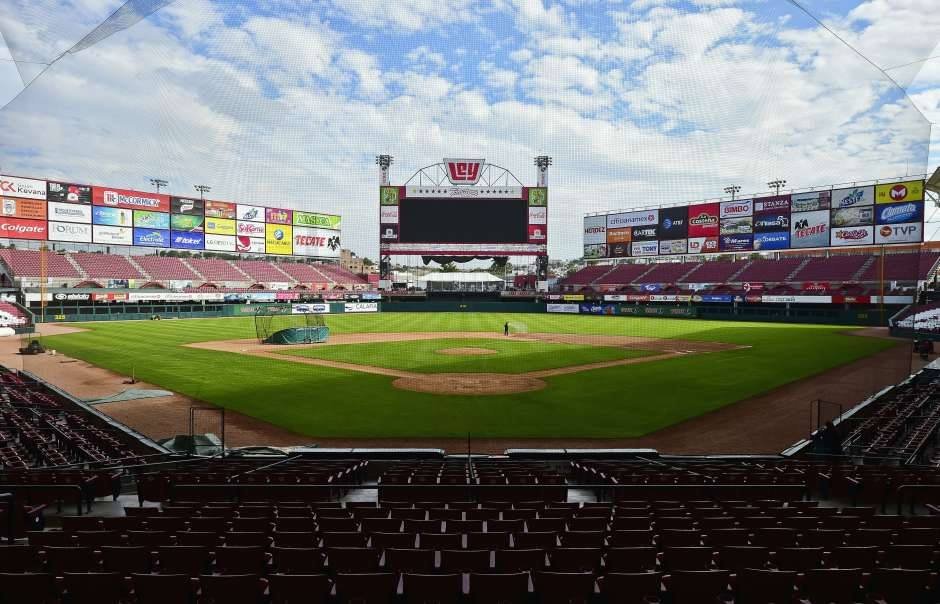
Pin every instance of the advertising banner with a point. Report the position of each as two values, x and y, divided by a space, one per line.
852 197
17 228
703 220
538 196
249 213
314 219
737 226
220 209
112 235
673 223
249 229
713 298
538 233
388 196
855 235
69 231
633 219
361 307
249 245
618 250
151 220
851 217
673 246
27 188
895 213
301 309
738 208
644 233
736 243
644 248
278 239
187 205
595 250
911 232
597 309
809 229
27 209
189 223
388 232
389 215
278 216
703 245
129 200
537 215
620 235
151 237
912 190
775 203
63 192
220 243
767 222
187 241
810 202
562 308
112 216
321 243
595 229
772 241
220 226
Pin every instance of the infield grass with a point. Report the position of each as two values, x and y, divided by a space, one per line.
622 401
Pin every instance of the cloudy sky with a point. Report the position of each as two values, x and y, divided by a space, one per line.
286 103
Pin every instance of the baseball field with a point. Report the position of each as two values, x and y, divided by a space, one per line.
442 375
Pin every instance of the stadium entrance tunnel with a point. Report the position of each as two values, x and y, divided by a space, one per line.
299 335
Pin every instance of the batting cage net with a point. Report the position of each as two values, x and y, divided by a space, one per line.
293 324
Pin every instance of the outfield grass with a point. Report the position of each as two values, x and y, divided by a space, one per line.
624 401
508 356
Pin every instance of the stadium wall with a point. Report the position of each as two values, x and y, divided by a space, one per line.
139 312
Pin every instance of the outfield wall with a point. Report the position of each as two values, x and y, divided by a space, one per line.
135 312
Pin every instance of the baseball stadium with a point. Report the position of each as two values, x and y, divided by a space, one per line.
484 302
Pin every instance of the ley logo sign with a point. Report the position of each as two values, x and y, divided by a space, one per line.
464 171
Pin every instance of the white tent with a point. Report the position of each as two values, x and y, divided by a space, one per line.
477 282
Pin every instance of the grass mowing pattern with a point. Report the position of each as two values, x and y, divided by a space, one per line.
625 401
422 356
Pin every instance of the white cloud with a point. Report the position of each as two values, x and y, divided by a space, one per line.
422 55
409 15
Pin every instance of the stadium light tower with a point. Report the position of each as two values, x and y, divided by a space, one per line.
384 162
777 184
542 162
202 190
733 190
158 183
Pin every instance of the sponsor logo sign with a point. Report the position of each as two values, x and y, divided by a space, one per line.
776 203
810 202
278 216
595 250
633 219
595 229
714 298
63 192
736 243
323 221
538 233
620 235
809 229
854 216
618 250
736 209
673 223
112 216
185 222
64 297
112 235
912 190
853 235
753 287
151 237
151 220
69 231
388 196
27 209
464 171
187 205
27 188
388 232
772 241
644 233
538 196
644 248
301 309
853 197
278 239
537 215
894 213
220 243
187 241
672 246
361 307
220 226
389 215
249 245
250 229
703 220
17 228
220 209
324 243
703 245
771 221
129 200
562 308
250 213
899 233
737 226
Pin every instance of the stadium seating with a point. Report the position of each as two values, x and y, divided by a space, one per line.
166 268
106 266
26 263
304 273
261 271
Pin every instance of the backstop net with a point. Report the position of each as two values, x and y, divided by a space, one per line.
294 324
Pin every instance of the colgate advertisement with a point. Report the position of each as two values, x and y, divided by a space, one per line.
703 220
130 200
17 228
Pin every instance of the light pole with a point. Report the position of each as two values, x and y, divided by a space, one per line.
202 190
384 162
733 190
158 183
777 184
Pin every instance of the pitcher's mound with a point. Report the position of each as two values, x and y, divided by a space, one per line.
472 384
465 350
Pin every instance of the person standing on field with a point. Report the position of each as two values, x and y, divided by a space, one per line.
506 329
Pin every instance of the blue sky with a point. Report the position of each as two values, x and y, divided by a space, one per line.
643 102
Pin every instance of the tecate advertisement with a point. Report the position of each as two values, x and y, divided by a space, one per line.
321 243
129 200
220 226
595 250
672 246
737 226
810 202
644 248
912 190
112 235
633 219
673 223
777 203
389 215
854 235
595 229
112 216
278 239
736 243
27 209
736 209
187 241
278 216
151 220
851 217
250 213
250 229
896 213
772 241
70 231
184 222
151 237
220 209
220 243
899 233
809 229
361 307
186 205
852 197
703 220
703 245
249 245
17 228
63 192
537 214
770 222
26 188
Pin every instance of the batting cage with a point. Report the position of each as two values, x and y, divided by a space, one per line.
292 324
